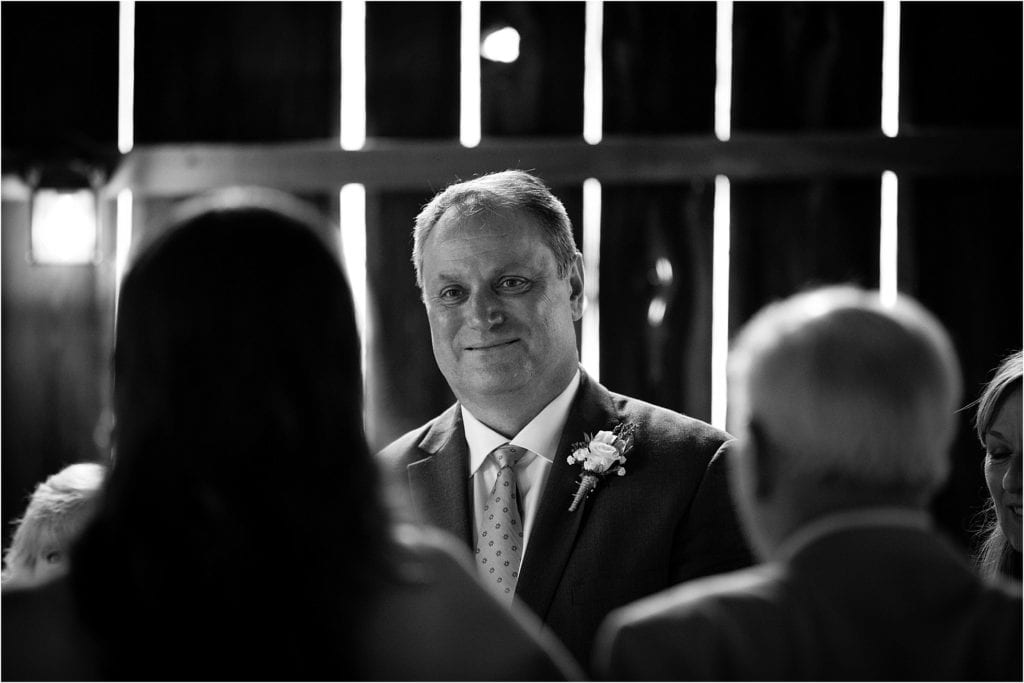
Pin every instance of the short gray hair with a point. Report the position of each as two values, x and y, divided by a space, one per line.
500 193
850 391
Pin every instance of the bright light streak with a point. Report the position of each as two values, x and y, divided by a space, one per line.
469 93
720 301
122 240
353 74
723 70
501 45
126 77
656 311
891 68
888 240
663 267
590 329
593 82
352 202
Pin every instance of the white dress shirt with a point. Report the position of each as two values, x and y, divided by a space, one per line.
539 438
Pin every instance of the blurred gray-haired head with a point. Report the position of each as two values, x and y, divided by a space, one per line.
849 392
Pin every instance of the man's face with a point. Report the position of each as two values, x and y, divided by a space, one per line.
501 320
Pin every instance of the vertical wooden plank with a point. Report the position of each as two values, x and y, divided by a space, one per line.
412 65
404 386
656 294
412 69
236 72
961 68
965 238
541 93
807 65
59 79
659 67
961 64
791 235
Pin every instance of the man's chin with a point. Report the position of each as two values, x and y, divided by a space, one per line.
498 386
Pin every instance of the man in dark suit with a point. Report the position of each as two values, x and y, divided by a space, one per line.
845 412
502 283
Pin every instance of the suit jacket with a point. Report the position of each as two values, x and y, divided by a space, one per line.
868 603
430 622
667 520
441 625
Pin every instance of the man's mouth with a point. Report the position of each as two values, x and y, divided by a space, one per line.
1015 509
491 345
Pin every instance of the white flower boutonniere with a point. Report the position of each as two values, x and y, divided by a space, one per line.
601 455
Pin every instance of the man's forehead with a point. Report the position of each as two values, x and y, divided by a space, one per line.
464 232
485 240
462 221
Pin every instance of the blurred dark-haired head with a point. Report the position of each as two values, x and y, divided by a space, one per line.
242 491
236 354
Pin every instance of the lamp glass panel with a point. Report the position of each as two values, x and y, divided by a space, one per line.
63 226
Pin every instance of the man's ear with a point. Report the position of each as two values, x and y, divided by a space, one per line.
576 286
763 460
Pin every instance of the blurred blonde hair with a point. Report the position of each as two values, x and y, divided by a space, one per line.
57 511
994 548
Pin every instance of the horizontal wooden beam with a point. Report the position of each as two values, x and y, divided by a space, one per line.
321 166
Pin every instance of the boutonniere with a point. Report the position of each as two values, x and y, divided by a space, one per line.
600 455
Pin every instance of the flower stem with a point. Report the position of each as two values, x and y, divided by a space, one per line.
587 484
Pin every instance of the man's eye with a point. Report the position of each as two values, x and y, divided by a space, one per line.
512 283
449 293
53 557
998 455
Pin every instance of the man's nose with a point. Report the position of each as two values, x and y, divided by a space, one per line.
485 310
1012 477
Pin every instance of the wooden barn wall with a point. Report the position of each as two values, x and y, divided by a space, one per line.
251 73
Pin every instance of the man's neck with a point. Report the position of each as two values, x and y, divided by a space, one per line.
506 423
508 413
797 508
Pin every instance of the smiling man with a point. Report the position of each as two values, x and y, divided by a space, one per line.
502 283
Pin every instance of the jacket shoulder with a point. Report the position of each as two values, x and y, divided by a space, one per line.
405 449
640 641
739 590
665 426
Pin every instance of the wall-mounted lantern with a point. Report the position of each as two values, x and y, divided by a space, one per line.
64 214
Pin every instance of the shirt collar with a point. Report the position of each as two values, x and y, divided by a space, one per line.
540 435
840 521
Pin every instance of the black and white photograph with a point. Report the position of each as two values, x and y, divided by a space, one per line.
473 340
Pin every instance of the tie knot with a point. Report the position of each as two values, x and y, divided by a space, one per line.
507 455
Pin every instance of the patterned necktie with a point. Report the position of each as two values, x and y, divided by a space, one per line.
499 541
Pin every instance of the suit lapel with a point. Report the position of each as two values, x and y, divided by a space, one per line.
555 529
440 481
